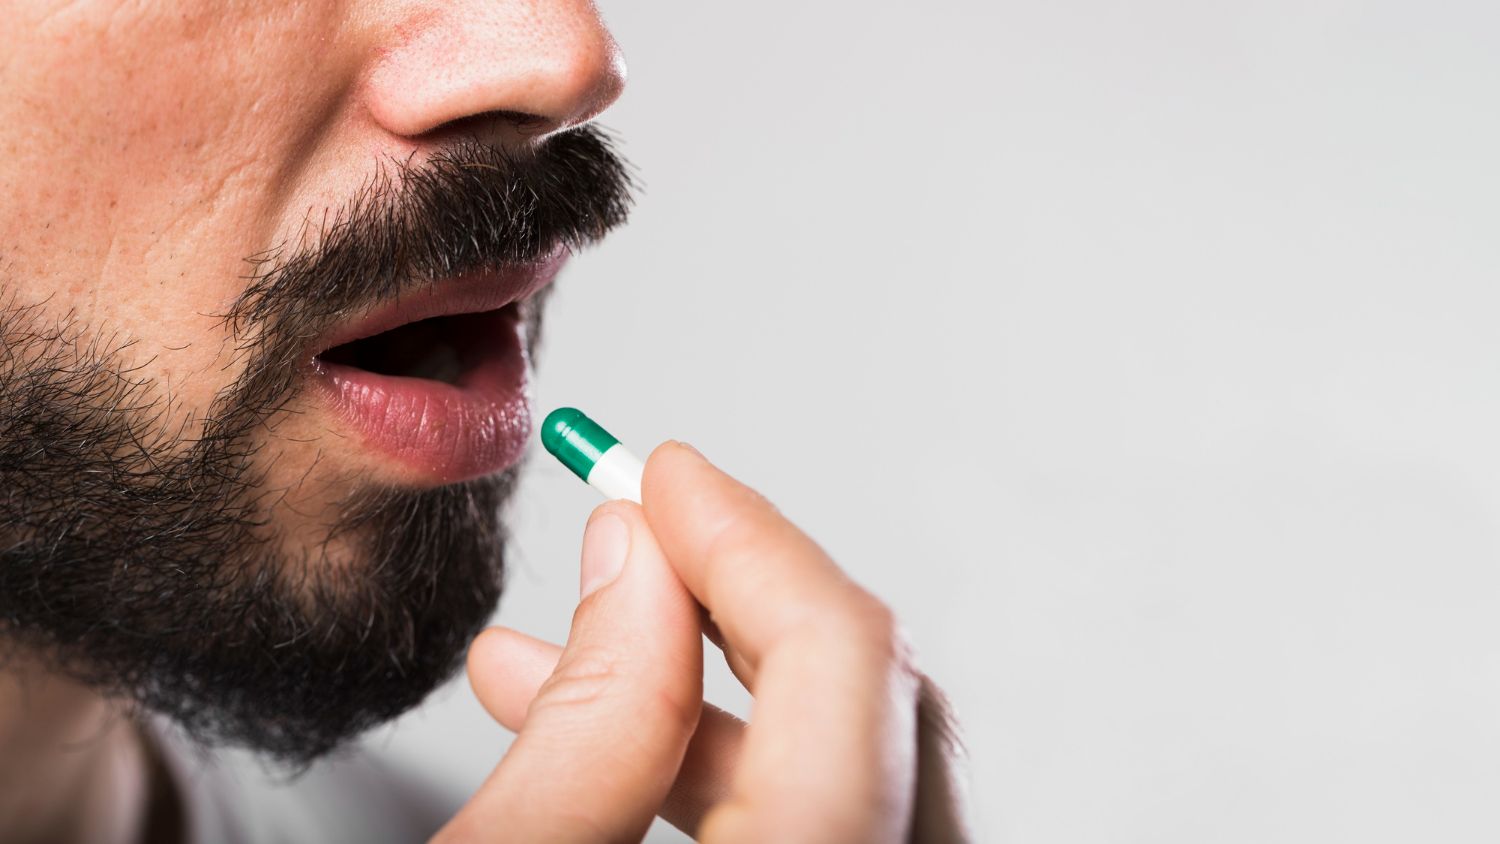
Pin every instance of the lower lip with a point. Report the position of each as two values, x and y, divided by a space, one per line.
445 432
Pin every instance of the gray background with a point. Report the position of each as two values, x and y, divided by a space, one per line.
1142 355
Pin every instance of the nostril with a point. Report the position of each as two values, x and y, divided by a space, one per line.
498 124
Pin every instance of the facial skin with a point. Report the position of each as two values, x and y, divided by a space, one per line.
190 521
195 516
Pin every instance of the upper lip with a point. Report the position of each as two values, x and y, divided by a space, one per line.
470 293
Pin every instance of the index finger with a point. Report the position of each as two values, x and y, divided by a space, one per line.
831 740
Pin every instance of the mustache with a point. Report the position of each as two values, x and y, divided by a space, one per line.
470 207
140 552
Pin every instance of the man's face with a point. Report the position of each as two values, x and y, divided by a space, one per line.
269 278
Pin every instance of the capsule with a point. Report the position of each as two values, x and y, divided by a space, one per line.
593 454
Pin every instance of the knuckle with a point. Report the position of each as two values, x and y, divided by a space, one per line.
878 630
865 616
880 620
585 678
740 540
679 711
598 677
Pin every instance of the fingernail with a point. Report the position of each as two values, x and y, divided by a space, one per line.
606 541
689 447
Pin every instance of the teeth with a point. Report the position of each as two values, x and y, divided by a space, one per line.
439 363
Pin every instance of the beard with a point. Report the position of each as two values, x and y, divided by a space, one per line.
139 548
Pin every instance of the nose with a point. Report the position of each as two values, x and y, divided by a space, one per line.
536 66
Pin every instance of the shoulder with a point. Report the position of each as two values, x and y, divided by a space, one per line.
358 795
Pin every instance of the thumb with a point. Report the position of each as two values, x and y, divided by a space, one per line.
605 735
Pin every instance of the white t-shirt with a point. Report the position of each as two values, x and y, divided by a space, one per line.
230 797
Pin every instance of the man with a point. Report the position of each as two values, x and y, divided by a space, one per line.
272 274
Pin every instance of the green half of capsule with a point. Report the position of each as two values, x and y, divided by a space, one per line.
576 440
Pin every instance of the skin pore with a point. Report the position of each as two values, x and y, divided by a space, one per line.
190 188
150 557
146 151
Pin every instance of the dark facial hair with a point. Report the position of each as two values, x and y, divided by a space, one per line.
139 551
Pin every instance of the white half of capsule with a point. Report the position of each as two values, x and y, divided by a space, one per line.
617 474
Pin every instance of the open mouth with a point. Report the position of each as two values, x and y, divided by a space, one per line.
446 349
439 381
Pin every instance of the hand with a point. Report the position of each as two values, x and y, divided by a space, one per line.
848 742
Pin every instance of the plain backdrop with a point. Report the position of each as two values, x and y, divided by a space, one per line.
1142 355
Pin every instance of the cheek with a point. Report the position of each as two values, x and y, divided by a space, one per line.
144 153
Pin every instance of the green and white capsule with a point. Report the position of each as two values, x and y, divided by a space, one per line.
593 454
